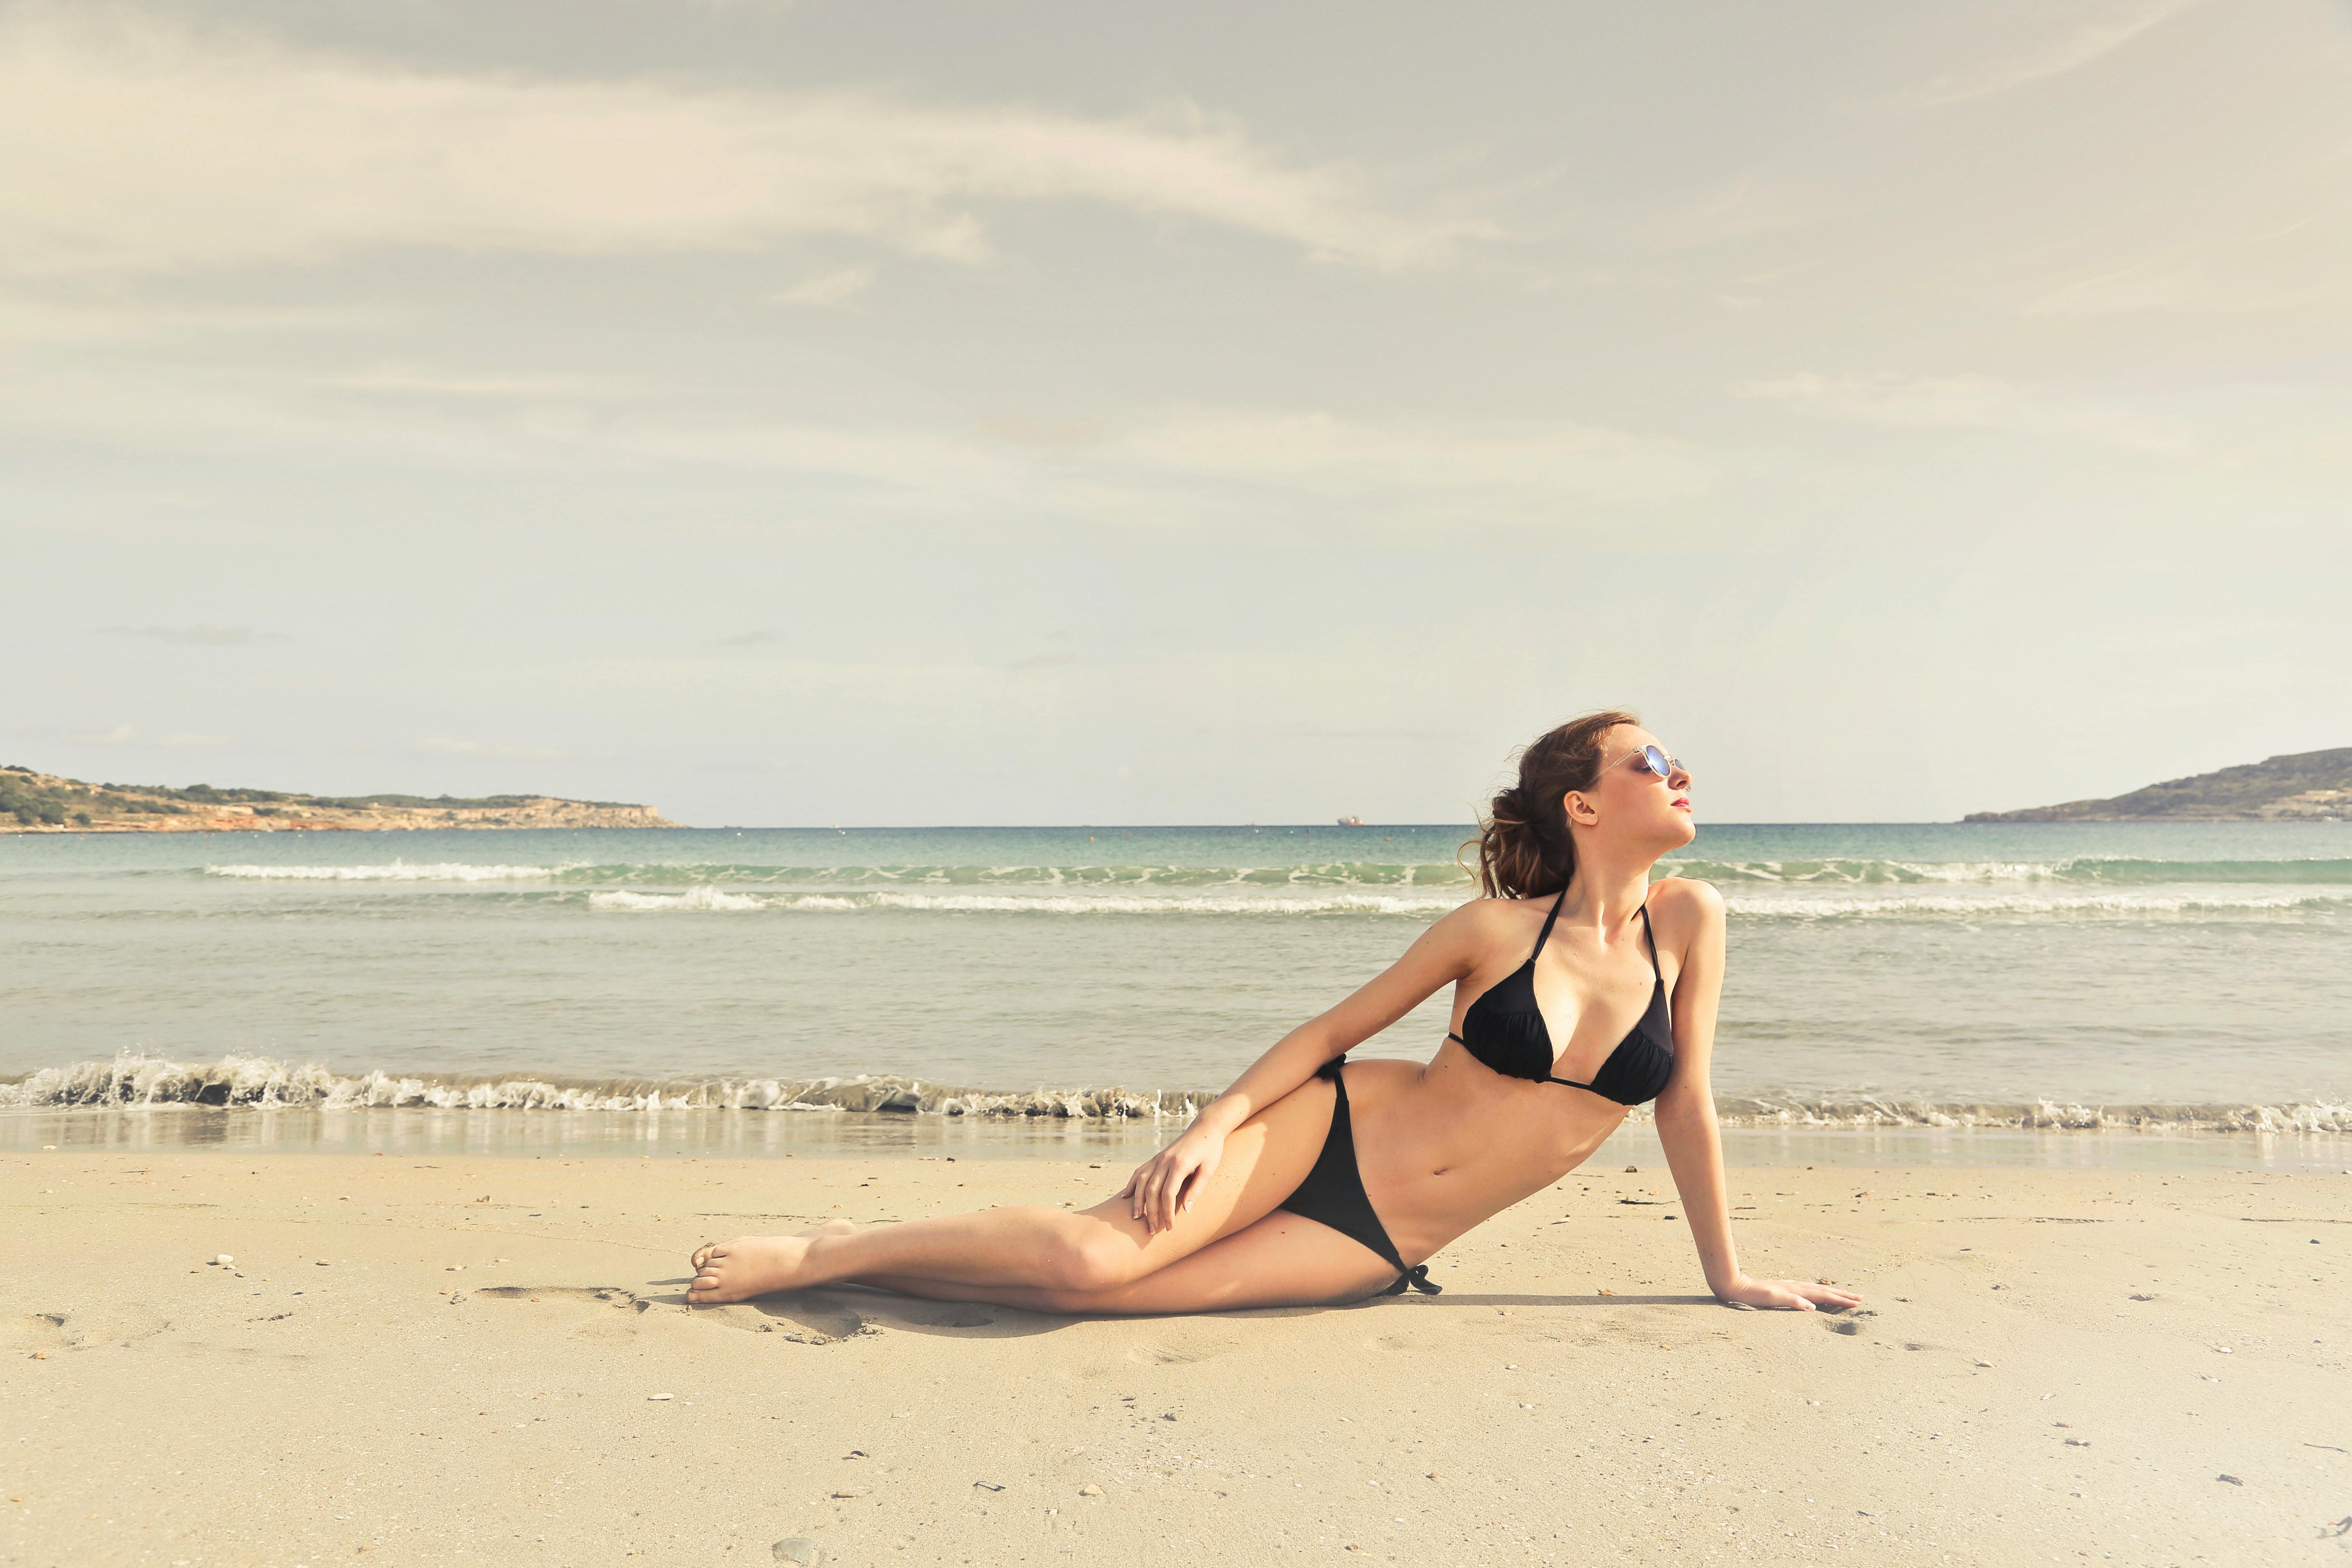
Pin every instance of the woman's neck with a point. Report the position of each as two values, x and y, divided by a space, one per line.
1605 893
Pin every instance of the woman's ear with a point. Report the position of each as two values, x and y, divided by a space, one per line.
1581 810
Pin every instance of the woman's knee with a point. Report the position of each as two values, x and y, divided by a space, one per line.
1083 1262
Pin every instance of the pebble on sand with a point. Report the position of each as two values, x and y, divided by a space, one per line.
2231 1479
223 1260
1090 1489
799 1551
656 1397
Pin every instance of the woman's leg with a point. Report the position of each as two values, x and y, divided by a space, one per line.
1097 1249
1283 1260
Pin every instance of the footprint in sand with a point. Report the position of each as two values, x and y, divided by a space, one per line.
609 1295
806 1317
615 1317
120 1324
1163 1353
961 1317
1848 1322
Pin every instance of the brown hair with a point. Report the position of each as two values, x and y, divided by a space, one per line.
1523 847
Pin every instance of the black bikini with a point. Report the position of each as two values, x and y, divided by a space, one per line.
1504 1029
1333 1192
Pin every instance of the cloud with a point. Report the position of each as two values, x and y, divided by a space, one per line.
831 288
134 143
190 636
1965 402
415 381
1049 434
1476 463
2092 41
443 746
130 735
26 319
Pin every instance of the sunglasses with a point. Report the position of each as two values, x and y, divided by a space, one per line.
1652 761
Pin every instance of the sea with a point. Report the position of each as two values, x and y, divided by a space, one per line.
2084 992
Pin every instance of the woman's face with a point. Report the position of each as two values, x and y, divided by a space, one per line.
1631 803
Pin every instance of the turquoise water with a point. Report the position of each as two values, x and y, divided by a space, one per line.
2017 976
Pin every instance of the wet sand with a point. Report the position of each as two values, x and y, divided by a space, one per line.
436 1360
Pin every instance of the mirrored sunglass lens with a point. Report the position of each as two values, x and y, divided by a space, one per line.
1658 761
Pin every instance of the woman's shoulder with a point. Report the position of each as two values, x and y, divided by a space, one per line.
1686 898
1501 908
1490 918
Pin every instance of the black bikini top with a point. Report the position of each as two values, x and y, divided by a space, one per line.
1504 1029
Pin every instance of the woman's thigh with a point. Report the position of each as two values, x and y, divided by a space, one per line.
1265 1160
1283 1260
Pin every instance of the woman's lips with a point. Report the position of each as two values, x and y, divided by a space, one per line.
1682 803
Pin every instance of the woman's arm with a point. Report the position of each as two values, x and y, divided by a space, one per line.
1165 1183
1685 1111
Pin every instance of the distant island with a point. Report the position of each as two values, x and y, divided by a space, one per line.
34 802
2309 786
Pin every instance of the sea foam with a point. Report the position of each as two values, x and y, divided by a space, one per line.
397 871
142 1083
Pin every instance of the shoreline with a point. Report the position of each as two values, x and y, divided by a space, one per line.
133 1083
294 1131
425 1360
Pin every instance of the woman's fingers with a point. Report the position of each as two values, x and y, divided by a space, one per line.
1794 1295
1172 1189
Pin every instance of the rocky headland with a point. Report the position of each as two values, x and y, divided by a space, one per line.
2306 786
34 802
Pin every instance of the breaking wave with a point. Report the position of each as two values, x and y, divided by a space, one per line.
261 1082
693 898
2090 904
2106 871
1764 890
130 1082
398 871
711 898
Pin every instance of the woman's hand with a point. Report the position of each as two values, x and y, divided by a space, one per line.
1165 1185
1788 1295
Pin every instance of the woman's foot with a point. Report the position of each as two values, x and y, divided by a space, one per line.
752 1266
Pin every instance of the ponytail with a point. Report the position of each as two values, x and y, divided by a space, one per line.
1523 847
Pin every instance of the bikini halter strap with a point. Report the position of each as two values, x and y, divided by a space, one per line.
1544 935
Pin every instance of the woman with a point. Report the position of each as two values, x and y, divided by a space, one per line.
1581 988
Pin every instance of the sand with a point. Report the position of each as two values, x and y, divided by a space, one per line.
489 1360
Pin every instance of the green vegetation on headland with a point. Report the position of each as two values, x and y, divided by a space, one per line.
2308 786
31 801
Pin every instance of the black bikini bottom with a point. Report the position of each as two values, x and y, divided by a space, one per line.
1333 1192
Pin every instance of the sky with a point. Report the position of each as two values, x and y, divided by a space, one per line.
808 413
